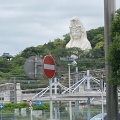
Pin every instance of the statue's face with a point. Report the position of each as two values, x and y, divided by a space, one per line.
75 33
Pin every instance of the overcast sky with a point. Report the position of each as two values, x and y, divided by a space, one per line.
26 23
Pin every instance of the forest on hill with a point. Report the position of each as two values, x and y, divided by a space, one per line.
93 59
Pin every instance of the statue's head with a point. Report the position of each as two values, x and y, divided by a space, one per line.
76 29
78 35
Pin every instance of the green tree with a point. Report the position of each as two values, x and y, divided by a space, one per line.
5 65
115 27
18 61
30 51
59 43
96 53
114 50
114 59
95 35
99 45
66 38
60 52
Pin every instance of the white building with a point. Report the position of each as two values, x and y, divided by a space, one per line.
10 92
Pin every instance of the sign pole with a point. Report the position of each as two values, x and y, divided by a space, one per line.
31 113
31 108
1 107
51 107
49 71
1 114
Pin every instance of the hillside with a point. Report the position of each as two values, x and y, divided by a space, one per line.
94 59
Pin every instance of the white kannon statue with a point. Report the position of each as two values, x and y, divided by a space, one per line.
78 36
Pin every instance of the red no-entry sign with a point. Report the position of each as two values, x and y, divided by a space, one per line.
49 66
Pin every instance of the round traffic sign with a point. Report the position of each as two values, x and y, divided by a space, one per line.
33 67
30 103
49 66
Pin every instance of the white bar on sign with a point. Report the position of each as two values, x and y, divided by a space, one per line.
49 67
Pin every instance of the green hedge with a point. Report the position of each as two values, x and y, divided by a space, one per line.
9 107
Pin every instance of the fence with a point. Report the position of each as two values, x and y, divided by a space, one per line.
46 116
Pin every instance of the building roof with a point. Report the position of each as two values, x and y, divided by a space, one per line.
7 55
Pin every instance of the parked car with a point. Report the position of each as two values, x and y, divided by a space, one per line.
99 117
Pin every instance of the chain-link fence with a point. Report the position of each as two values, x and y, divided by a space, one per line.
76 115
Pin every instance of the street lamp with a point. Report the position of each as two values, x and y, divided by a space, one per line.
70 106
74 63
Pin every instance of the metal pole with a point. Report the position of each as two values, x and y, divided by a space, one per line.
15 95
88 88
35 69
89 115
77 90
111 91
55 85
31 113
56 117
69 75
30 108
70 106
1 113
88 80
51 107
102 99
58 110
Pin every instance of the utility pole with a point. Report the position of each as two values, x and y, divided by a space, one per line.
70 105
15 94
111 91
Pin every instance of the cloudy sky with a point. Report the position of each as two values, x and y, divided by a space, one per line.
26 23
